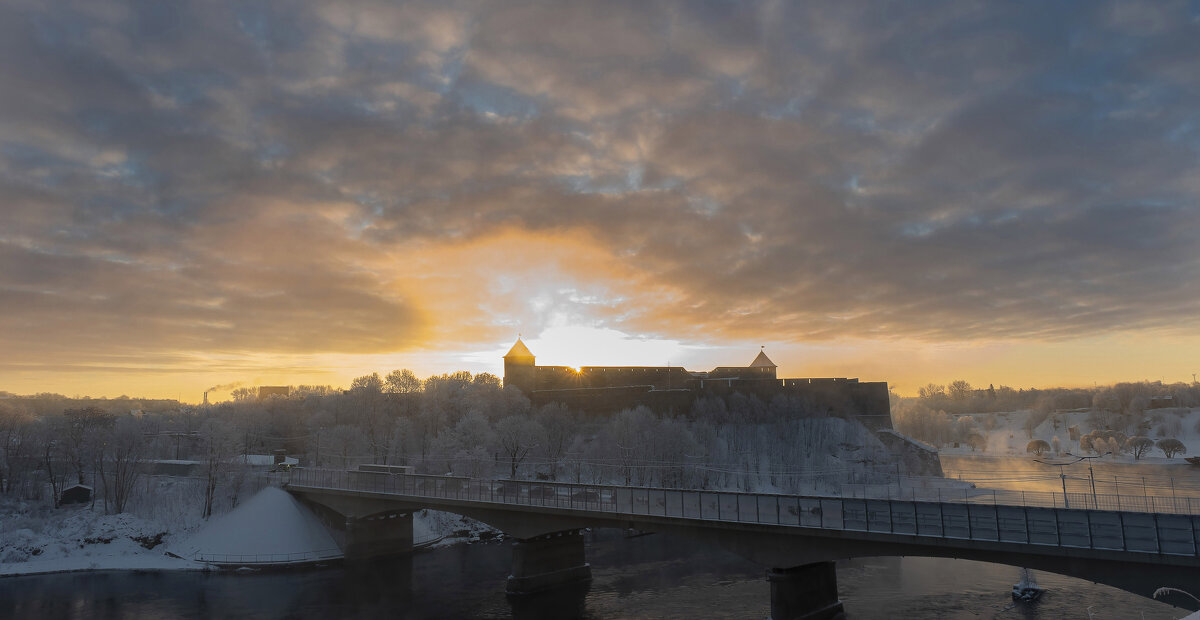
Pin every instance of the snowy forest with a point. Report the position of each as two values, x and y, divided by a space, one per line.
461 424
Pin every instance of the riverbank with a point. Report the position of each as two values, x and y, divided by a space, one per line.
38 539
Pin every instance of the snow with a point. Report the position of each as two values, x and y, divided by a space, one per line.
1009 437
442 529
35 541
272 526
265 460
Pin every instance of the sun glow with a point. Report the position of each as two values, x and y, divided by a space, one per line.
579 346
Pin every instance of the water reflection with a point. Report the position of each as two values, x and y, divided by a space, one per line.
648 577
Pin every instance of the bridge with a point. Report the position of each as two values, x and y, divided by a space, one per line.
797 538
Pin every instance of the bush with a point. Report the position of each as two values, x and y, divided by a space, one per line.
1171 447
1037 447
1138 446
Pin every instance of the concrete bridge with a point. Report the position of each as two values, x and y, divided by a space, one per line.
796 537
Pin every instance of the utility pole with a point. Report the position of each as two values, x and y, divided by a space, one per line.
1092 475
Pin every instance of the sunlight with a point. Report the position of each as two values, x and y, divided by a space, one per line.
577 346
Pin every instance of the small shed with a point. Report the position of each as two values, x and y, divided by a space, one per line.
76 494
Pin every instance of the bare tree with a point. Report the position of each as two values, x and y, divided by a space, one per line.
959 390
516 435
345 443
80 430
558 429
367 393
120 461
402 381
1171 446
218 445
16 430
1138 446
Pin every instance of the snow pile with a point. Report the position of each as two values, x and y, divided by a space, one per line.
45 542
271 527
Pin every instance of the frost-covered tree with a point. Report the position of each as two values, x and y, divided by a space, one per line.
959 390
16 442
1171 446
345 444
516 436
932 391
558 430
1037 447
218 445
1138 446
402 381
119 465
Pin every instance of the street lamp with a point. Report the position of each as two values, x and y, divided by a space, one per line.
1063 475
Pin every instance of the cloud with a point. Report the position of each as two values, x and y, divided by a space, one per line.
363 178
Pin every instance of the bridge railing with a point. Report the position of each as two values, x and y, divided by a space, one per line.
247 559
1038 499
970 517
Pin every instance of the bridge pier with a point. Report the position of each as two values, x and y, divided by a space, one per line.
383 534
547 562
807 592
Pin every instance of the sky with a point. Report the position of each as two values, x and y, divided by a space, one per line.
201 193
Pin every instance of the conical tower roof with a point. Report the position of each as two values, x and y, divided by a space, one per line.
518 350
762 361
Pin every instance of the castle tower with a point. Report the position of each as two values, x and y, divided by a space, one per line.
519 369
762 366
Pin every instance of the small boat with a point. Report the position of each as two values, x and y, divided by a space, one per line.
1026 590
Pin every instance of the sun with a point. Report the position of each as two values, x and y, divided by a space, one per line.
579 346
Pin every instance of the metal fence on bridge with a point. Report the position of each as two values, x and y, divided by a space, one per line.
981 516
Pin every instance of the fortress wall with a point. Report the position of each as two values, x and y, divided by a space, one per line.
661 377
607 401
848 398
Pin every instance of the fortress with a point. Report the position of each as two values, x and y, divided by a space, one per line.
672 389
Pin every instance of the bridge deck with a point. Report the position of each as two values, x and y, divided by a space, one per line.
973 518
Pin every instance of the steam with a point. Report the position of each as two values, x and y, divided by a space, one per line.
225 387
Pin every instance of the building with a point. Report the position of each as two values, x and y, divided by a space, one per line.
667 389
267 391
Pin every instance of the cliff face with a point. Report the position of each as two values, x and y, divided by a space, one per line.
919 458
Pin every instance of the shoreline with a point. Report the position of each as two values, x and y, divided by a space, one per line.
172 563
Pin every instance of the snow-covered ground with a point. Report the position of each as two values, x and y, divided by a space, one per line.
1008 436
45 540
268 526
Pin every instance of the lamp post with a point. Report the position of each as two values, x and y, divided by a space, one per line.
1063 475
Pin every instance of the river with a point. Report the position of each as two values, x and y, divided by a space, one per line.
652 576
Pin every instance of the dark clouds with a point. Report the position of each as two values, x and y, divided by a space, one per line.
264 176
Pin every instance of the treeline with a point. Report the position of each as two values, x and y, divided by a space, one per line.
936 415
458 423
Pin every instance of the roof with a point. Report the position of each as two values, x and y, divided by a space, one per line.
518 350
762 361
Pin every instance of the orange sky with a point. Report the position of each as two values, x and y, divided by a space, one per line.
303 194
575 305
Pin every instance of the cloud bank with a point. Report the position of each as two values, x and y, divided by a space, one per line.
196 178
